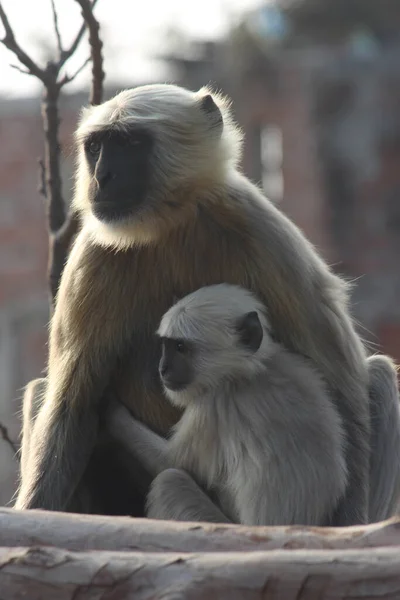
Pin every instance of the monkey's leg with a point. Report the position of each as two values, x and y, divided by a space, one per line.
175 496
59 436
385 439
31 404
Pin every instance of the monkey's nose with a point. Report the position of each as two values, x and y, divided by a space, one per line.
103 176
164 370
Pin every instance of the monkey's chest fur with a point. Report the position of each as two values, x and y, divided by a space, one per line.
127 293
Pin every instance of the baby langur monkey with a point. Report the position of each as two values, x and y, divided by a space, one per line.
259 430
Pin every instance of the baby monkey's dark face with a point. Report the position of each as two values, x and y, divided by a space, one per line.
119 163
176 364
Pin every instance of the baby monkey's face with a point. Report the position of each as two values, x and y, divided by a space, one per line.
176 364
218 351
190 369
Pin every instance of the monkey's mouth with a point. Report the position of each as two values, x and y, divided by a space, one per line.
174 385
111 211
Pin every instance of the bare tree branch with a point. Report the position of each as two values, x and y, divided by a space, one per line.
60 243
6 437
95 50
61 240
66 55
62 227
68 78
10 42
56 28
42 178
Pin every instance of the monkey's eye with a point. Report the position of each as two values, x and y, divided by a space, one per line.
180 347
94 148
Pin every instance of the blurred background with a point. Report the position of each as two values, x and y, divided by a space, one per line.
316 87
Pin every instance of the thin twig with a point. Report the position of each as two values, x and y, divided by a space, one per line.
21 70
68 78
62 227
5 435
56 28
95 51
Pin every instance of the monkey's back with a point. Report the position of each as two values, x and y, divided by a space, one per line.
302 473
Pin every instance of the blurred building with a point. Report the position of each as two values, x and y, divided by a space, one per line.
322 137
322 125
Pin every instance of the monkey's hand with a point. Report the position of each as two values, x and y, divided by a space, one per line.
145 446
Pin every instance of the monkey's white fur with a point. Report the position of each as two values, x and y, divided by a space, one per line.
263 433
259 429
207 317
203 161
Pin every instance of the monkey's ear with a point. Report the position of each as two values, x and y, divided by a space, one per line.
208 105
250 331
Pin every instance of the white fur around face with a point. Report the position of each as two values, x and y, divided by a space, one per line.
192 155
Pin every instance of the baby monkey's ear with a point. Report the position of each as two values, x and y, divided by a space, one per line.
208 105
250 331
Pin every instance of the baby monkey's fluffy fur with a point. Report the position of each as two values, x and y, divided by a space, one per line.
259 429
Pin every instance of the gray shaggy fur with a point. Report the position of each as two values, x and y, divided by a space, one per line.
259 430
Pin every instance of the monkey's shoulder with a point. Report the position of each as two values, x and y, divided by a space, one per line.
292 395
288 370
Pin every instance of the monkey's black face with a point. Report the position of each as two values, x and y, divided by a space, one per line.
176 370
119 165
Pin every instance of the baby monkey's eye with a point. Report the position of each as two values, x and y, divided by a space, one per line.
180 346
94 148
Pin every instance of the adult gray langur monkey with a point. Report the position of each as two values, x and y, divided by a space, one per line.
259 430
165 211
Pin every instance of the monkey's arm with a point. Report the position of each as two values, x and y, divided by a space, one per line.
60 447
173 495
31 404
138 440
80 359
